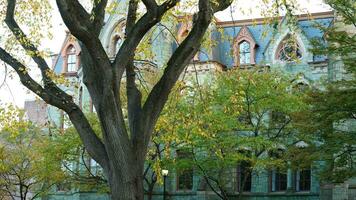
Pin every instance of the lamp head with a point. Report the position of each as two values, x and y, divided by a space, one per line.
164 172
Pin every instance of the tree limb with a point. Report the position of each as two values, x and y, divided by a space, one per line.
25 42
65 102
98 15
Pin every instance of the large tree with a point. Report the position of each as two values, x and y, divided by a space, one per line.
122 150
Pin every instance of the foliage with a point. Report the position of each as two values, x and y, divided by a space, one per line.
81 171
25 172
127 130
230 122
332 113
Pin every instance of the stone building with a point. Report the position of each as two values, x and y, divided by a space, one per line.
242 43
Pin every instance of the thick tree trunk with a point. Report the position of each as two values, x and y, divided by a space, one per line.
121 152
121 190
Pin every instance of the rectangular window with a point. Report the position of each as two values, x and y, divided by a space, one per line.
244 177
184 175
72 62
279 181
303 180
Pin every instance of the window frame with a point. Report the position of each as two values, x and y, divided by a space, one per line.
71 60
247 54
71 48
298 180
244 35
274 181
277 171
283 45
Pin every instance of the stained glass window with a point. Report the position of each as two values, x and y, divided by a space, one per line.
289 50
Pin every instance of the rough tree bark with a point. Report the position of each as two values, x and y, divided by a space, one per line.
122 151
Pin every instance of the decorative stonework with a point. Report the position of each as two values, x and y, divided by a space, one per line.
288 49
117 37
244 35
71 43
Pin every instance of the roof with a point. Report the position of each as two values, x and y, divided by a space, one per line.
263 34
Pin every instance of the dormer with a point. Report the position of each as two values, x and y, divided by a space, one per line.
244 47
70 54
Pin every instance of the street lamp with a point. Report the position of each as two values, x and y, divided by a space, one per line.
165 174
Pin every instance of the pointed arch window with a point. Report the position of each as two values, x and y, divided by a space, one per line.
289 49
71 59
244 47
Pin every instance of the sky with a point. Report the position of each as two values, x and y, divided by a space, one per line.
13 92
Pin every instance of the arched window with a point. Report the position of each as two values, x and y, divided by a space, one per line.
71 59
245 52
244 47
289 50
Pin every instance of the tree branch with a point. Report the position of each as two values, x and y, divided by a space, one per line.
150 4
180 58
65 102
136 33
31 49
98 15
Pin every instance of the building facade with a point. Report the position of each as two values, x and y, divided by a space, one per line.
247 43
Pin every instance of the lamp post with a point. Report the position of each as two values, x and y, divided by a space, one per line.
165 174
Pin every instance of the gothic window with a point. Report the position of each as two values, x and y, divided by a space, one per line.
185 174
244 47
245 52
71 59
289 50
244 177
303 180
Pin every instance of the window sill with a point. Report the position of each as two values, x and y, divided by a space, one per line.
279 192
183 192
302 192
70 74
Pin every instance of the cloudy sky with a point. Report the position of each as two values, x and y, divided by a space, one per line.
13 92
